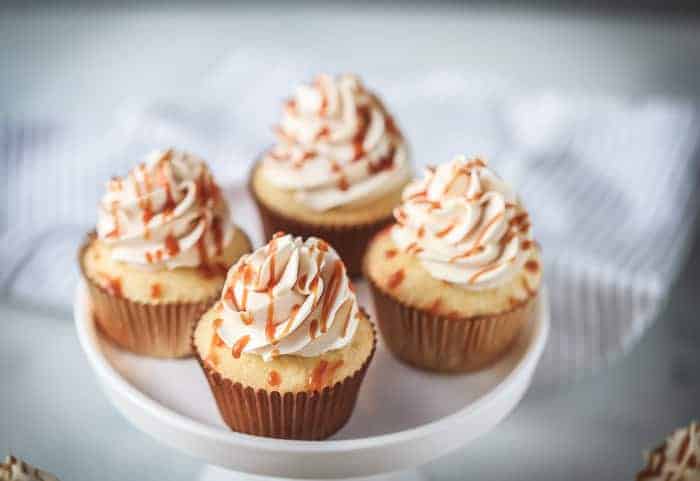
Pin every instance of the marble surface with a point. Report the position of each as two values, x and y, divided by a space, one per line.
87 62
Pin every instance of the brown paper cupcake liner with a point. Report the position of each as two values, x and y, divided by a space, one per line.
350 241
309 415
157 330
447 344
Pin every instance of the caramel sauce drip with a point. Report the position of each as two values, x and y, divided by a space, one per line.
421 232
270 322
292 315
390 253
385 162
323 133
414 248
113 286
358 140
343 184
238 347
114 233
162 180
526 244
335 168
477 242
333 290
532 266
483 271
346 323
273 272
216 341
396 279
172 246
274 378
313 329
149 257
231 297
446 230
322 373
156 291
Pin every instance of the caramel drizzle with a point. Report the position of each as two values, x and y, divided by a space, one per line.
322 373
391 253
156 291
270 327
333 290
273 378
162 180
532 266
172 246
483 271
113 285
396 279
358 140
216 341
479 238
239 346
113 209
443 232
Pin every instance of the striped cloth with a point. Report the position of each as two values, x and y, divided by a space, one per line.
610 185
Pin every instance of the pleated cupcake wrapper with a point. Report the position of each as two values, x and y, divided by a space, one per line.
308 415
157 330
350 241
447 344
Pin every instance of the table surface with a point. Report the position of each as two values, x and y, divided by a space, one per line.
85 62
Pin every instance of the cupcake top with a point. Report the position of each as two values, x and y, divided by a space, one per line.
336 145
166 213
14 469
677 459
464 224
288 297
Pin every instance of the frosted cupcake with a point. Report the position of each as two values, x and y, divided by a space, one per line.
159 258
677 459
286 347
458 275
337 169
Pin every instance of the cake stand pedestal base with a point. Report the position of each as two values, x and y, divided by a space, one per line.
215 473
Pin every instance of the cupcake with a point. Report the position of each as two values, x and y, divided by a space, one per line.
457 276
337 169
677 459
14 469
159 258
286 347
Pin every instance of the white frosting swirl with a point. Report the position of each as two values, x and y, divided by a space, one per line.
337 145
167 213
465 225
678 459
288 297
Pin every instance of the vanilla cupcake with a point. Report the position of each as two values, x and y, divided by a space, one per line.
337 169
159 258
286 347
458 275
677 459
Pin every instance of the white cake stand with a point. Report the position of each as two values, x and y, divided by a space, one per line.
404 417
